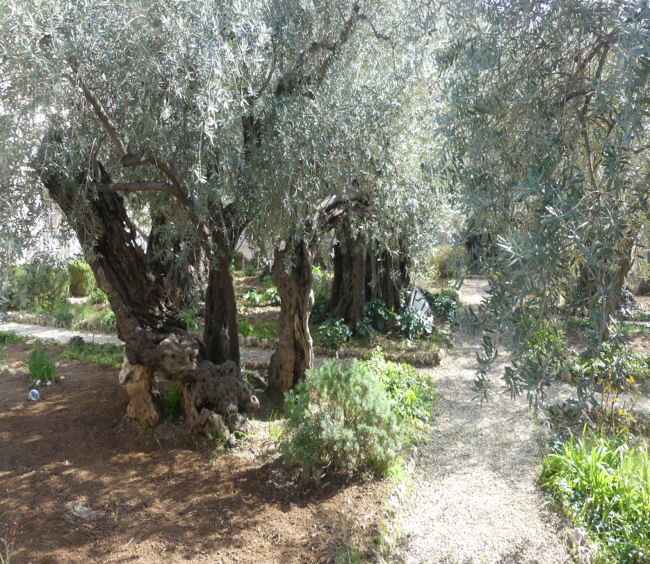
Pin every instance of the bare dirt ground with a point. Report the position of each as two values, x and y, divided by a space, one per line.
165 497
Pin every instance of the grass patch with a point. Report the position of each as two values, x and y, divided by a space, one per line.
9 337
109 356
172 402
604 486
40 366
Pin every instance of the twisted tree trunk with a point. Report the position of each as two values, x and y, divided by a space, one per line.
294 355
156 338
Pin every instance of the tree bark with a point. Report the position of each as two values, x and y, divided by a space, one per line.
294 355
156 338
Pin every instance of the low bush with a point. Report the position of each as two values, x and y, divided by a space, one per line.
37 283
447 261
110 356
272 297
412 396
443 304
251 298
250 270
334 332
98 297
82 279
543 343
379 314
40 366
604 486
191 319
259 330
339 419
237 260
413 323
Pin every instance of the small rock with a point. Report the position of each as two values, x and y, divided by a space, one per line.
49 383
57 364
12 371
578 537
232 441
241 340
61 377
585 556
265 343
85 513
565 377
37 384
541 417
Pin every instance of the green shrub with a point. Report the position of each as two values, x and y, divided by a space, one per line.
443 304
611 366
604 485
339 419
190 318
271 296
9 337
172 401
237 260
542 343
3 358
40 366
259 330
98 297
250 270
411 396
252 298
365 328
37 283
110 356
447 261
82 279
413 323
334 332
380 315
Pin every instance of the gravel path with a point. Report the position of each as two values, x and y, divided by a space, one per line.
476 498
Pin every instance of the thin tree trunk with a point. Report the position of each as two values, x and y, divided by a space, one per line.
294 355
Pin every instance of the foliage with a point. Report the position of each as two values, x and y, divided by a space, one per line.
190 317
259 330
413 323
447 261
110 356
252 298
9 337
365 328
98 297
380 315
543 141
250 270
604 485
237 260
172 397
334 332
271 296
411 396
545 346
40 366
36 283
339 419
82 279
3 358
443 303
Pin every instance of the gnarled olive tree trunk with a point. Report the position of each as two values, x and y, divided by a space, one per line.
156 338
295 354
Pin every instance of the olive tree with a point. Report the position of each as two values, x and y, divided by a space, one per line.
544 128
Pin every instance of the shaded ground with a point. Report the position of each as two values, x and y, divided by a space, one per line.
167 497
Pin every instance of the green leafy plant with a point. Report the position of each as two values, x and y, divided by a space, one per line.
413 323
37 283
544 343
3 358
82 279
334 332
412 396
604 485
271 296
237 259
250 270
191 319
443 304
252 298
365 328
40 366
339 419
9 337
98 297
172 407
108 355
379 314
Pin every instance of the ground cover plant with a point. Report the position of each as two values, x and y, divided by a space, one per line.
260 329
107 355
603 484
40 366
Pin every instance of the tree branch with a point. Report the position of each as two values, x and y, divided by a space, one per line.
136 187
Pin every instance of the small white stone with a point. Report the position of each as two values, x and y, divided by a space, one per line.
37 384
61 377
